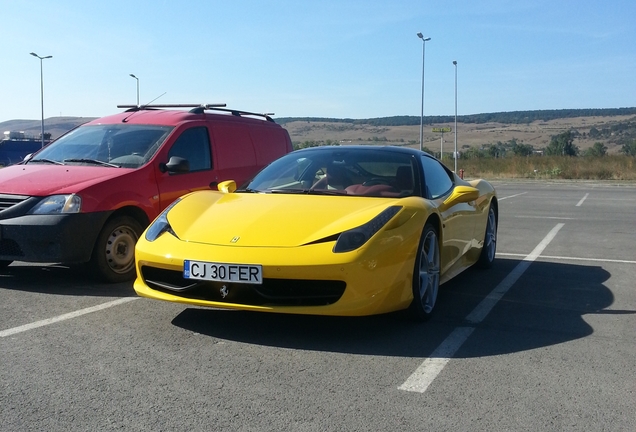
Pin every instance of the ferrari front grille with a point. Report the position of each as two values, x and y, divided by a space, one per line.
272 292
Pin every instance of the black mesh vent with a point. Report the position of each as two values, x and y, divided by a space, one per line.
273 292
9 247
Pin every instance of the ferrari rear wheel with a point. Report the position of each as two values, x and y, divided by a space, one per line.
426 275
487 256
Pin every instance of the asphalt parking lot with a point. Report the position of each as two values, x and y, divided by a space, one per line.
545 340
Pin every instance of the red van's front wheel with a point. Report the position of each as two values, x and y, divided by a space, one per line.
113 257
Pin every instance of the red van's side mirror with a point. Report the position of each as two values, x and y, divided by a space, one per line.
175 165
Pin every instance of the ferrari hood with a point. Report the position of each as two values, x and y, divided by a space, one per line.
269 220
42 180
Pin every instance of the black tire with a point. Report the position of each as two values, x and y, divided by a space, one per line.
488 251
5 263
113 258
426 275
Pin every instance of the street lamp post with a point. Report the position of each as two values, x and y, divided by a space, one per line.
137 88
455 63
41 92
421 36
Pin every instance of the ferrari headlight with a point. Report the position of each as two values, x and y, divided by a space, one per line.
356 237
161 224
58 204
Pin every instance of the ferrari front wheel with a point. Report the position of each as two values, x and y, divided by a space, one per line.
426 275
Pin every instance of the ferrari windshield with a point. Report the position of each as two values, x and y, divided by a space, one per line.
113 145
339 171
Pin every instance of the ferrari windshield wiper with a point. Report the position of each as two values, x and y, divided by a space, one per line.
248 190
327 192
288 191
92 161
49 161
308 191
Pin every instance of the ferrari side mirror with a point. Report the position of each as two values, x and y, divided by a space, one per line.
461 194
227 186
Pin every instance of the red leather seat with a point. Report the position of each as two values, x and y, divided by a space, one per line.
378 190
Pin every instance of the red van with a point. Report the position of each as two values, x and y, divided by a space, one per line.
87 197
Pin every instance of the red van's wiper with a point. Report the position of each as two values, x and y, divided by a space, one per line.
93 161
49 161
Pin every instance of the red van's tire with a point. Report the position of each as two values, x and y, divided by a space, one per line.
113 257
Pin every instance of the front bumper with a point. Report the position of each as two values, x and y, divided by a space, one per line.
67 238
309 279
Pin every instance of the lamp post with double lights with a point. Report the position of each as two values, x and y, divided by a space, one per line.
132 75
424 40
41 91
455 63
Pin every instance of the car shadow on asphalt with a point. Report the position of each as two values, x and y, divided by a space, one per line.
61 280
546 306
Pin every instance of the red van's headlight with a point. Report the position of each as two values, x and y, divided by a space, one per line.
58 204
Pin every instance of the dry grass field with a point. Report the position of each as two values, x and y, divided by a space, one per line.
612 168
537 134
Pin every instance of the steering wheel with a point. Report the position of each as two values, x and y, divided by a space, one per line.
376 181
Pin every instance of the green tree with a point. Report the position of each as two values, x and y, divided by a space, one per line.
594 133
598 149
562 145
520 149
306 144
497 150
472 153
629 149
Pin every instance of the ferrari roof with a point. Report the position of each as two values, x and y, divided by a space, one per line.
363 148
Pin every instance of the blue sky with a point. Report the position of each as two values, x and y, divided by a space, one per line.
342 59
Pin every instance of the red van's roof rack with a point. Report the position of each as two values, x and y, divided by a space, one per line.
198 109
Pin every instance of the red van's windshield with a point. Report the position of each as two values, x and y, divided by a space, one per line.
117 145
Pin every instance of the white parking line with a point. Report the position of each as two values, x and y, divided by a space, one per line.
582 199
565 258
512 196
42 323
545 217
426 373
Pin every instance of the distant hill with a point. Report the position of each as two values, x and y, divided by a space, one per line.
612 126
512 117
56 126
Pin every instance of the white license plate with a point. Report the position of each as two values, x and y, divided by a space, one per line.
222 272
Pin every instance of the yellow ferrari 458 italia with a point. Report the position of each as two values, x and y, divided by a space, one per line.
352 230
